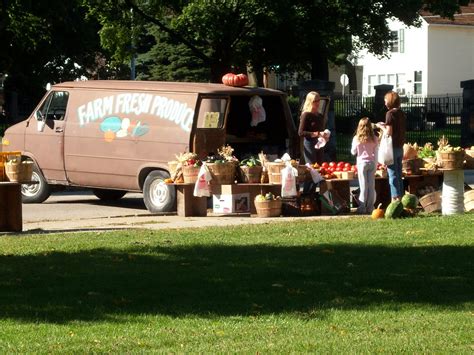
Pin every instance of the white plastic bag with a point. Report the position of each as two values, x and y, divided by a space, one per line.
385 155
201 188
257 110
288 181
315 175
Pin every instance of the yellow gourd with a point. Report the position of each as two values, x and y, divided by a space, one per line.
378 212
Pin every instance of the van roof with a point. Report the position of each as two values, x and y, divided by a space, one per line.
203 88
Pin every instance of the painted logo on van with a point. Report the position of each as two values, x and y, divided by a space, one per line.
111 108
115 127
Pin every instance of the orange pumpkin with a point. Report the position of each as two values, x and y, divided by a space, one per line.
378 212
232 79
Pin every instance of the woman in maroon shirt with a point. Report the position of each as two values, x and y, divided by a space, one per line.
311 128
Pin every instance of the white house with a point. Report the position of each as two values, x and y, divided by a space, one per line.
428 60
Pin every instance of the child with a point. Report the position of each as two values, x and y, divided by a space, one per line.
364 145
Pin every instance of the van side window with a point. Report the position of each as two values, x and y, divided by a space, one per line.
54 107
212 112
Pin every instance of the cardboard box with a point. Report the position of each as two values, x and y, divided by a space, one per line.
231 203
233 189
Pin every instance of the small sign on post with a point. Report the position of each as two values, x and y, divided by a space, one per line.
344 82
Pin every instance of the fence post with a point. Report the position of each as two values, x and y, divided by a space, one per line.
467 113
379 104
324 88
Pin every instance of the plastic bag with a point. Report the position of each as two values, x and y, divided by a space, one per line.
257 110
201 188
323 140
385 155
315 175
288 181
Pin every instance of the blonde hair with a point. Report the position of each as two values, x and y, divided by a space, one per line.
364 132
311 97
393 100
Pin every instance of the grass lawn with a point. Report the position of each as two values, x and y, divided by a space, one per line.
328 286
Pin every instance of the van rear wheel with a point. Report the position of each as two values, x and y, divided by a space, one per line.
157 195
36 193
108 195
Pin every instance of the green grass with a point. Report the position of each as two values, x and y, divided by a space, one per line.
327 286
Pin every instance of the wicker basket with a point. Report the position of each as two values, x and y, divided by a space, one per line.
222 173
274 172
19 172
469 159
270 208
190 174
4 157
431 202
251 174
451 160
469 201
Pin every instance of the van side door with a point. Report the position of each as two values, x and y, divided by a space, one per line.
210 133
44 136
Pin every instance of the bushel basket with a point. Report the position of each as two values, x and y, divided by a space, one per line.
274 172
190 174
19 172
431 202
268 208
222 173
251 174
451 160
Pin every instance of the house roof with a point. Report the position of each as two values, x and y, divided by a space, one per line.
464 18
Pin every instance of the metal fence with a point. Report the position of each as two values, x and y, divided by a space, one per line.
428 118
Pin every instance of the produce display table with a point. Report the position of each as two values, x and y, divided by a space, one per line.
187 204
11 213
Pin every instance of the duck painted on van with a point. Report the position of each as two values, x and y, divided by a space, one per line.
118 136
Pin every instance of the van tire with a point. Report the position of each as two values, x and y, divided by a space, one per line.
36 193
108 195
158 196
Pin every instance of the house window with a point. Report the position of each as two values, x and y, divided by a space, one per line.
393 41
391 79
382 79
417 83
397 41
371 83
401 83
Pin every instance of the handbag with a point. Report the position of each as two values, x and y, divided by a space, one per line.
385 154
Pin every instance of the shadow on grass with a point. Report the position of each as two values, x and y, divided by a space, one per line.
232 280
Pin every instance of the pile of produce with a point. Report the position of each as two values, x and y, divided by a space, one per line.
267 197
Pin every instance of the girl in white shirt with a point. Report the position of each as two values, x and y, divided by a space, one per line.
364 146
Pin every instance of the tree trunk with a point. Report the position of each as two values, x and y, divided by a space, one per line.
319 65
351 73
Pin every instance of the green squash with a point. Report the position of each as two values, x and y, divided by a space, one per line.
394 210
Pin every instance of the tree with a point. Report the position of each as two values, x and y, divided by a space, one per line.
230 34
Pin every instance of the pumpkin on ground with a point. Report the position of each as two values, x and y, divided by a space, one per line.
394 210
410 201
378 212
231 79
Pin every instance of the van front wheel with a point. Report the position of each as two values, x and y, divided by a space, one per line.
36 193
157 195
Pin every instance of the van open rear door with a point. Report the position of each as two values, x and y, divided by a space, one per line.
210 132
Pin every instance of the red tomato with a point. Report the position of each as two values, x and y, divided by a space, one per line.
347 165
325 165
340 164
332 164
346 169
354 168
